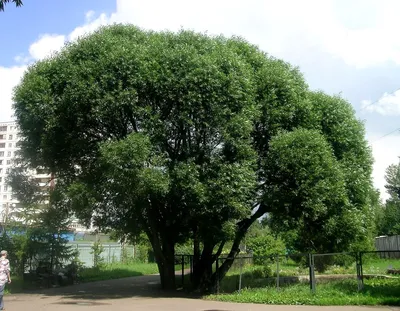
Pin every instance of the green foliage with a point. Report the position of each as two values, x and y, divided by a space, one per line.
335 293
18 3
46 241
265 247
309 194
389 222
97 251
142 253
16 246
40 243
182 135
184 249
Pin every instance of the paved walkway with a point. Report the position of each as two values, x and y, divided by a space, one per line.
139 294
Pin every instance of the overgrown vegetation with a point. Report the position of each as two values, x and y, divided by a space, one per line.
335 293
36 242
259 285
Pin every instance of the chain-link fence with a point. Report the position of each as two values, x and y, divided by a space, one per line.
312 271
336 270
270 271
111 253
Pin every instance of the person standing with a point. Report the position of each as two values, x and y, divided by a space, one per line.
4 275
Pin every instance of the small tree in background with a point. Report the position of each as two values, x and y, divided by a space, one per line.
265 247
389 218
97 250
47 241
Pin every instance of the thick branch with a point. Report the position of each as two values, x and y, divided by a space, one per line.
219 251
242 228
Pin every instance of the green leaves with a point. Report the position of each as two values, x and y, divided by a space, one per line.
390 213
307 190
181 135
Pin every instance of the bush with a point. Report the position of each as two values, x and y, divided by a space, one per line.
259 272
142 253
97 250
265 248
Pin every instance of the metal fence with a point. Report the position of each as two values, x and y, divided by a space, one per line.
112 252
380 265
341 271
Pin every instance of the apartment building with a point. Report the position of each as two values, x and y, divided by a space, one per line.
8 147
9 205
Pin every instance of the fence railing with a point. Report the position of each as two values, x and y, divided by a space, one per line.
347 270
111 252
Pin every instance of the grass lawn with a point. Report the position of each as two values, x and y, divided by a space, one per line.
376 292
17 285
259 286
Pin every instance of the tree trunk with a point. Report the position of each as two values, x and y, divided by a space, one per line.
167 274
242 228
164 253
202 270
196 247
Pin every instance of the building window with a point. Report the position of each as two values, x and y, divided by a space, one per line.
10 137
2 145
3 128
1 162
1 179
8 162
9 154
9 145
1 170
5 188
8 170
5 197
2 136
1 153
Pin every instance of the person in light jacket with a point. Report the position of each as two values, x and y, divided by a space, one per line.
4 275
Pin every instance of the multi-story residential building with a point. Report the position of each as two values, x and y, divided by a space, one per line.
8 147
9 205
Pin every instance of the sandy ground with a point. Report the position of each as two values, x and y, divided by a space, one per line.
141 294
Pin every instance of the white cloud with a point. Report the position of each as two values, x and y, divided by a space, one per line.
279 27
386 151
284 25
89 16
45 46
387 105
90 26
9 78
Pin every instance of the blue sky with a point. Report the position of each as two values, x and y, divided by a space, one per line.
22 26
343 47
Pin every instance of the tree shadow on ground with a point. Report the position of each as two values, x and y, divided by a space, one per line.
145 286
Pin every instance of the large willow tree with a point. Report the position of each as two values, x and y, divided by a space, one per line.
186 136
